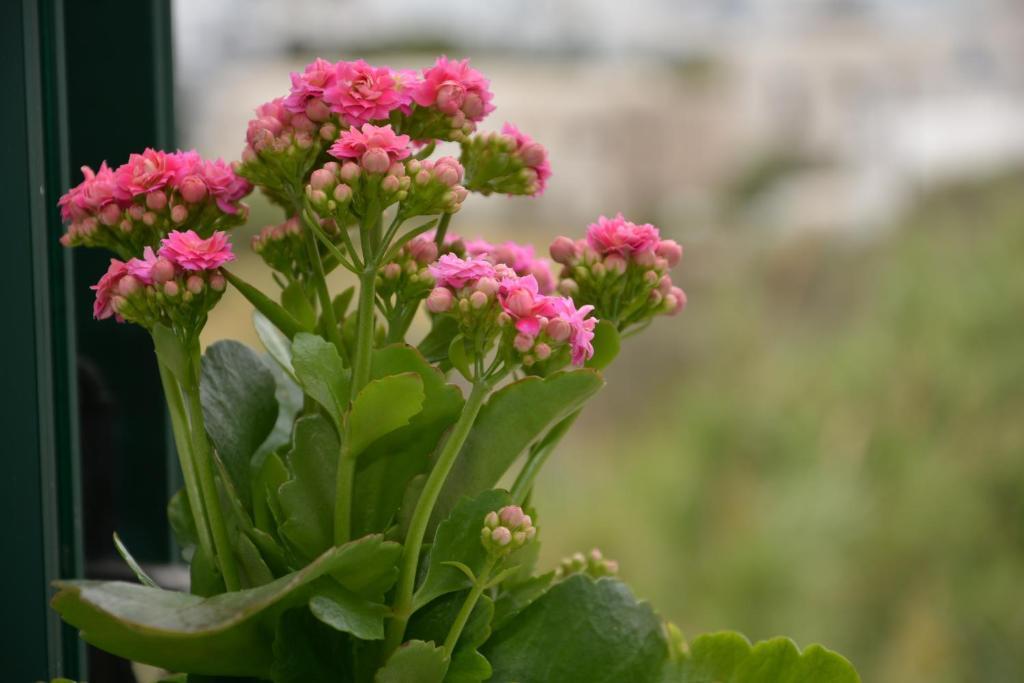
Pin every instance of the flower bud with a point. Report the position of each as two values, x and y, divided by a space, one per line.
645 258
477 300
389 184
563 250
423 251
501 536
665 285
522 343
179 214
671 251
392 271
533 154
192 189
349 171
439 300
506 530
376 160
163 270
520 303
316 110
568 287
615 264
217 282
342 193
171 288
321 179
487 285
542 351
156 200
194 284
675 301
128 285
558 330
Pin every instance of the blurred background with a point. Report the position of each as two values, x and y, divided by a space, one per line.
829 442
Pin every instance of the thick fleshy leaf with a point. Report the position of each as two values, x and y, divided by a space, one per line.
307 498
607 343
267 513
230 634
240 408
383 406
414 662
433 622
580 631
171 352
290 399
730 657
458 540
183 525
307 650
136 568
321 373
345 611
514 600
275 342
294 300
434 346
513 418
387 466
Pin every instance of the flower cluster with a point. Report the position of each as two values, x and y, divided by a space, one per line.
281 247
451 98
519 257
509 162
593 563
135 205
506 530
435 188
488 299
407 277
621 269
177 284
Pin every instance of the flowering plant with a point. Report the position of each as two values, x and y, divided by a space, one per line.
340 512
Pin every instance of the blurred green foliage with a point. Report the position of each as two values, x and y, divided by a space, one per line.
828 443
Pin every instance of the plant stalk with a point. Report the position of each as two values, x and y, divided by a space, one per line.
524 482
424 508
320 283
467 608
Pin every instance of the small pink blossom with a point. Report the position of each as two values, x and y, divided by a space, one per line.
453 86
520 257
619 236
142 268
451 271
145 172
520 299
581 328
312 83
96 191
188 251
225 185
360 144
361 93
106 288
533 155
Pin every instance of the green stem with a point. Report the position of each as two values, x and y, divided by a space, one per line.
204 467
467 608
524 482
442 228
343 496
424 508
365 323
179 426
320 283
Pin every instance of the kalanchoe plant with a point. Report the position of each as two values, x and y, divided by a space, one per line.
340 514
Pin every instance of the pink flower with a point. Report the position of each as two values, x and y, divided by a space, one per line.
619 236
142 269
224 185
189 251
105 290
453 86
520 298
368 144
271 119
532 154
96 191
581 328
361 93
520 257
145 172
312 83
451 271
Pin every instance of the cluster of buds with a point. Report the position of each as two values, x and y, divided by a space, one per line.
593 564
282 248
177 285
621 268
519 257
407 277
135 205
488 300
506 530
450 99
435 187
509 162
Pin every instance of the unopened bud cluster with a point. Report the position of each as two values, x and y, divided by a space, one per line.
176 286
153 193
593 563
506 530
622 269
407 278
509 162
282 248
435 187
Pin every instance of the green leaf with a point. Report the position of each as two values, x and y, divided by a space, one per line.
230 634
183 525
277 345
414 662
239 406
253 570
513 418
580 630
606 345
383 406
433 622
458 540
307 498
204 574
729 657
171 352
139 572
387 466
273 311
341 303
515 599
344 610
434 346
307 651
267 513
321 373
294 300
459 358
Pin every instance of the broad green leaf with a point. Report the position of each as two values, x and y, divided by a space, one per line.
513 418
414 662
230 634
171 352
345 611
730 658
459 357
606 345
267 513
273 311
341 303
381 407
434 346
136 568
321 373
308 651
277 345
581 631
515 599
307 498
387 466
433 622
204 574
290 401
251 567
239 406
294 300
458 540
183 525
